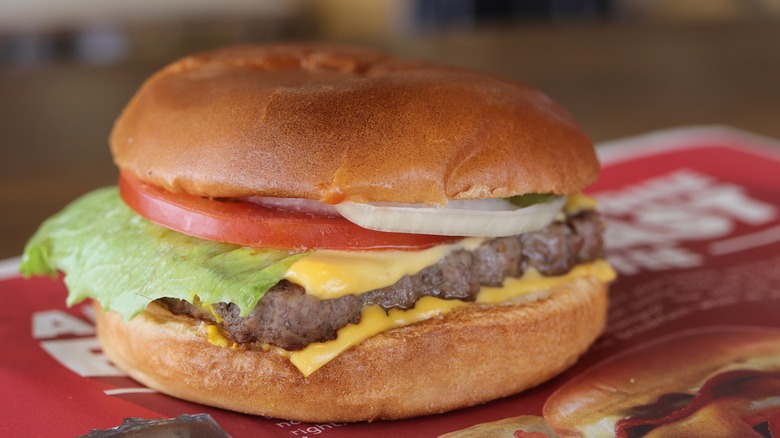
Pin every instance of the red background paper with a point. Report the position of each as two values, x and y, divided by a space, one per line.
39 396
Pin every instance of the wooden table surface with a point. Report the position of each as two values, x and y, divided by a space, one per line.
617 80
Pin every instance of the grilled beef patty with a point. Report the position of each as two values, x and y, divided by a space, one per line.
289 318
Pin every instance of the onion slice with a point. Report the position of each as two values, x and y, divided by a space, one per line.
477 218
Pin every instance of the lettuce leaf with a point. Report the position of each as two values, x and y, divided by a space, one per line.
110 253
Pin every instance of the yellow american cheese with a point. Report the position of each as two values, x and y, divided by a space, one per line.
374 320
216 337
330 274
579 202
533 281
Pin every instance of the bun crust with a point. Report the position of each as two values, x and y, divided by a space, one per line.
472 355
333 123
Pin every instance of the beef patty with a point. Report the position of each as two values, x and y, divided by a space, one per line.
289 318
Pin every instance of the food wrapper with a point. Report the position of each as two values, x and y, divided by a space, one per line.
692 342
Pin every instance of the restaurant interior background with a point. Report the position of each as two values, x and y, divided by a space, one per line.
621 67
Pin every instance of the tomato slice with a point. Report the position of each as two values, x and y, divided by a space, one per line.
254 225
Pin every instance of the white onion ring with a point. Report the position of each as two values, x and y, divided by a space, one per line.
473 218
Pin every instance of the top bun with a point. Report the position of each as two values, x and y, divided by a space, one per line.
334 124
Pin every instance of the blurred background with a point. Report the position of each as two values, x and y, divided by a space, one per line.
622 67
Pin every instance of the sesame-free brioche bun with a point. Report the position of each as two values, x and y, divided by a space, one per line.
333 124
429 367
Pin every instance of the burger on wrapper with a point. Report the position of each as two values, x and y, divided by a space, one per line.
323 233
715 381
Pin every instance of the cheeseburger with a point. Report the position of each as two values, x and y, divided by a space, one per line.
711 381
322 233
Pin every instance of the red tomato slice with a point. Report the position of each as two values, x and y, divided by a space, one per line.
254 225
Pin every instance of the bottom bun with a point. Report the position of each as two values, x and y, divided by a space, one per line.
473 354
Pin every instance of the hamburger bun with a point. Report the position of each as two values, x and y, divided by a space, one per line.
429 367
334 124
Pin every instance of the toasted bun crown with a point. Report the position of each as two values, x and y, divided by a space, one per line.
334 124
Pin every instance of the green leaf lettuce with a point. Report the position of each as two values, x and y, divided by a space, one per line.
110 253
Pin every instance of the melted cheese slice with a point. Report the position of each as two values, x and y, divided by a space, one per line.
579 202
374 320
532 281
328 274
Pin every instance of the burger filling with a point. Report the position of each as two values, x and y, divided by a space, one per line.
262 296
290 318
